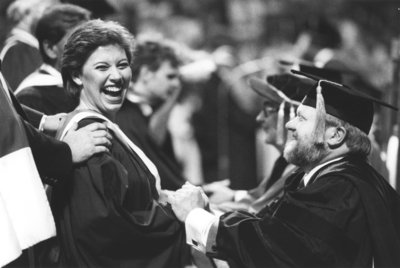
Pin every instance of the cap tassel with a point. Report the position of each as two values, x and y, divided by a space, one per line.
319 131
280 127
292 112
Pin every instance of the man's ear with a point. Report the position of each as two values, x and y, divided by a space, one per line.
336 136
145 74
50 49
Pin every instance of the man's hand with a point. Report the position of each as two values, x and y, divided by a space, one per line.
87 141
186 199
219 191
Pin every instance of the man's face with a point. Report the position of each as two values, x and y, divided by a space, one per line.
162 83
300 148
267 120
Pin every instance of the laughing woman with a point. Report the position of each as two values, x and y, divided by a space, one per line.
112 215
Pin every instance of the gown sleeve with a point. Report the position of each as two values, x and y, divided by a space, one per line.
306 227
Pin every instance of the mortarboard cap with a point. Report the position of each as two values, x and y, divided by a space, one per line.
280 88
325 73
341 101
285 90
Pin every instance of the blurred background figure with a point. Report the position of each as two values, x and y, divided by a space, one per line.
43 89
20 53
152 94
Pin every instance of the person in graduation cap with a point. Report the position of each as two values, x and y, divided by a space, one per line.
281 93
337 211
113 213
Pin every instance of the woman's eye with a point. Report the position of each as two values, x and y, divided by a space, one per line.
123 65
101 67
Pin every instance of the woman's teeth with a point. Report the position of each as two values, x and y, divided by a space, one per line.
112 90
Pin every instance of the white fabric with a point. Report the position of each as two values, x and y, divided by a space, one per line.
240 194
25 215
391 159
146 109
307 176
4 85
52 77
198 224
118 132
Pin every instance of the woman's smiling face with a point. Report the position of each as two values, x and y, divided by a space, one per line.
104 79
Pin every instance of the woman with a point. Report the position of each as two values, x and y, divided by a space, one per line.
112 215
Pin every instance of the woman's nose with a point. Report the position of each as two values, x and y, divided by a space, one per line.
115 74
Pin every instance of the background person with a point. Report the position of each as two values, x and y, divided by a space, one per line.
20 53
145 112
43 89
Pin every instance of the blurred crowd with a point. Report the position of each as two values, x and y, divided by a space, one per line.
195 115
221 44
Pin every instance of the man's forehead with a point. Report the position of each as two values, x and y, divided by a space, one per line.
306 110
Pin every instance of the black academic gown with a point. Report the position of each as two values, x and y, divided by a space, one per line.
135 125
346 214
53 158
20 60
48 99
108 217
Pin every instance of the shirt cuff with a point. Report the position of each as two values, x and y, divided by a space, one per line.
41 124
201 230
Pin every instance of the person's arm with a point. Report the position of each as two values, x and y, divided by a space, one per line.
201 230
34 117
158 123
48 124
188 204
54 159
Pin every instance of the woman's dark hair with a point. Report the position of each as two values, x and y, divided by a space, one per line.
85 39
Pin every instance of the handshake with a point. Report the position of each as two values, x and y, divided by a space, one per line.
185 200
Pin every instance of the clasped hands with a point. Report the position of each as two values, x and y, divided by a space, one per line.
186 199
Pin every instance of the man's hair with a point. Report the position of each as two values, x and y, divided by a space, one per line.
356 140
85 39
27 10
18 9
152 54
56 22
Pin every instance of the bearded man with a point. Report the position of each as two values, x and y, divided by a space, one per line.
336 211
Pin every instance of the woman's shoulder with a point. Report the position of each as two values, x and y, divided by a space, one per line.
82 118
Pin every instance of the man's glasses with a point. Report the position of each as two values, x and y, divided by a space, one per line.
268 109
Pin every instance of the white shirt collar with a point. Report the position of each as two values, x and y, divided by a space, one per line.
308 176
146 109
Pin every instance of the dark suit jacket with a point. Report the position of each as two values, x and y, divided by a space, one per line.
53 158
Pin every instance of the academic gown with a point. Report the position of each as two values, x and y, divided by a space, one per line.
20 60
346 214
41 91
108 217
135 125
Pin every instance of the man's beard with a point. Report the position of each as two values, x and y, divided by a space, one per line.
304 154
